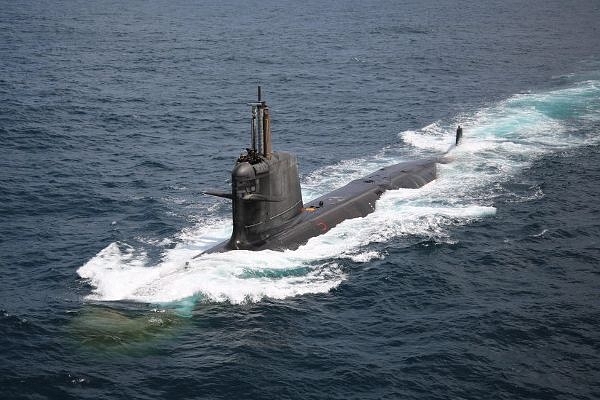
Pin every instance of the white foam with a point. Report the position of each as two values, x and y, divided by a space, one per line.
235 276
499 142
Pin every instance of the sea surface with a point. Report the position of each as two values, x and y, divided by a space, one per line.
116 115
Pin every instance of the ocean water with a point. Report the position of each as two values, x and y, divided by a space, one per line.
115 116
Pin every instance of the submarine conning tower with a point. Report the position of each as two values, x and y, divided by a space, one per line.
265 186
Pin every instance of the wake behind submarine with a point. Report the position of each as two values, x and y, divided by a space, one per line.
268 211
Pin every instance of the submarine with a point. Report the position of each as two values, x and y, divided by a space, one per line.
267 206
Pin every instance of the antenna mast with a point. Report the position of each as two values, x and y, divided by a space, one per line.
261 129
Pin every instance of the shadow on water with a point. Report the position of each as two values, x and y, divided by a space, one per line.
133 329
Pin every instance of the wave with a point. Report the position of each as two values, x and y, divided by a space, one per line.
500 141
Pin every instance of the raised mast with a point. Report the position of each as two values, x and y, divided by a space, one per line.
260 130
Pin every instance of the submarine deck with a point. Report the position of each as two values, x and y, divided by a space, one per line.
356 199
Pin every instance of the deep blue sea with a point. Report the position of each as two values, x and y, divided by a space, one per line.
116 115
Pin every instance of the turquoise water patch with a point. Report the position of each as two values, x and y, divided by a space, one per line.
563 104
251 272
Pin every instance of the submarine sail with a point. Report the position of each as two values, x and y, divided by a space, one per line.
265 186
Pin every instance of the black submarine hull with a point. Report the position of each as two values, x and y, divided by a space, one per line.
267 207
356 199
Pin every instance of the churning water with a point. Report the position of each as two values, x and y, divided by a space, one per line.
482 284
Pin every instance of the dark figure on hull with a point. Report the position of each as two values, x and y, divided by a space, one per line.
268 212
